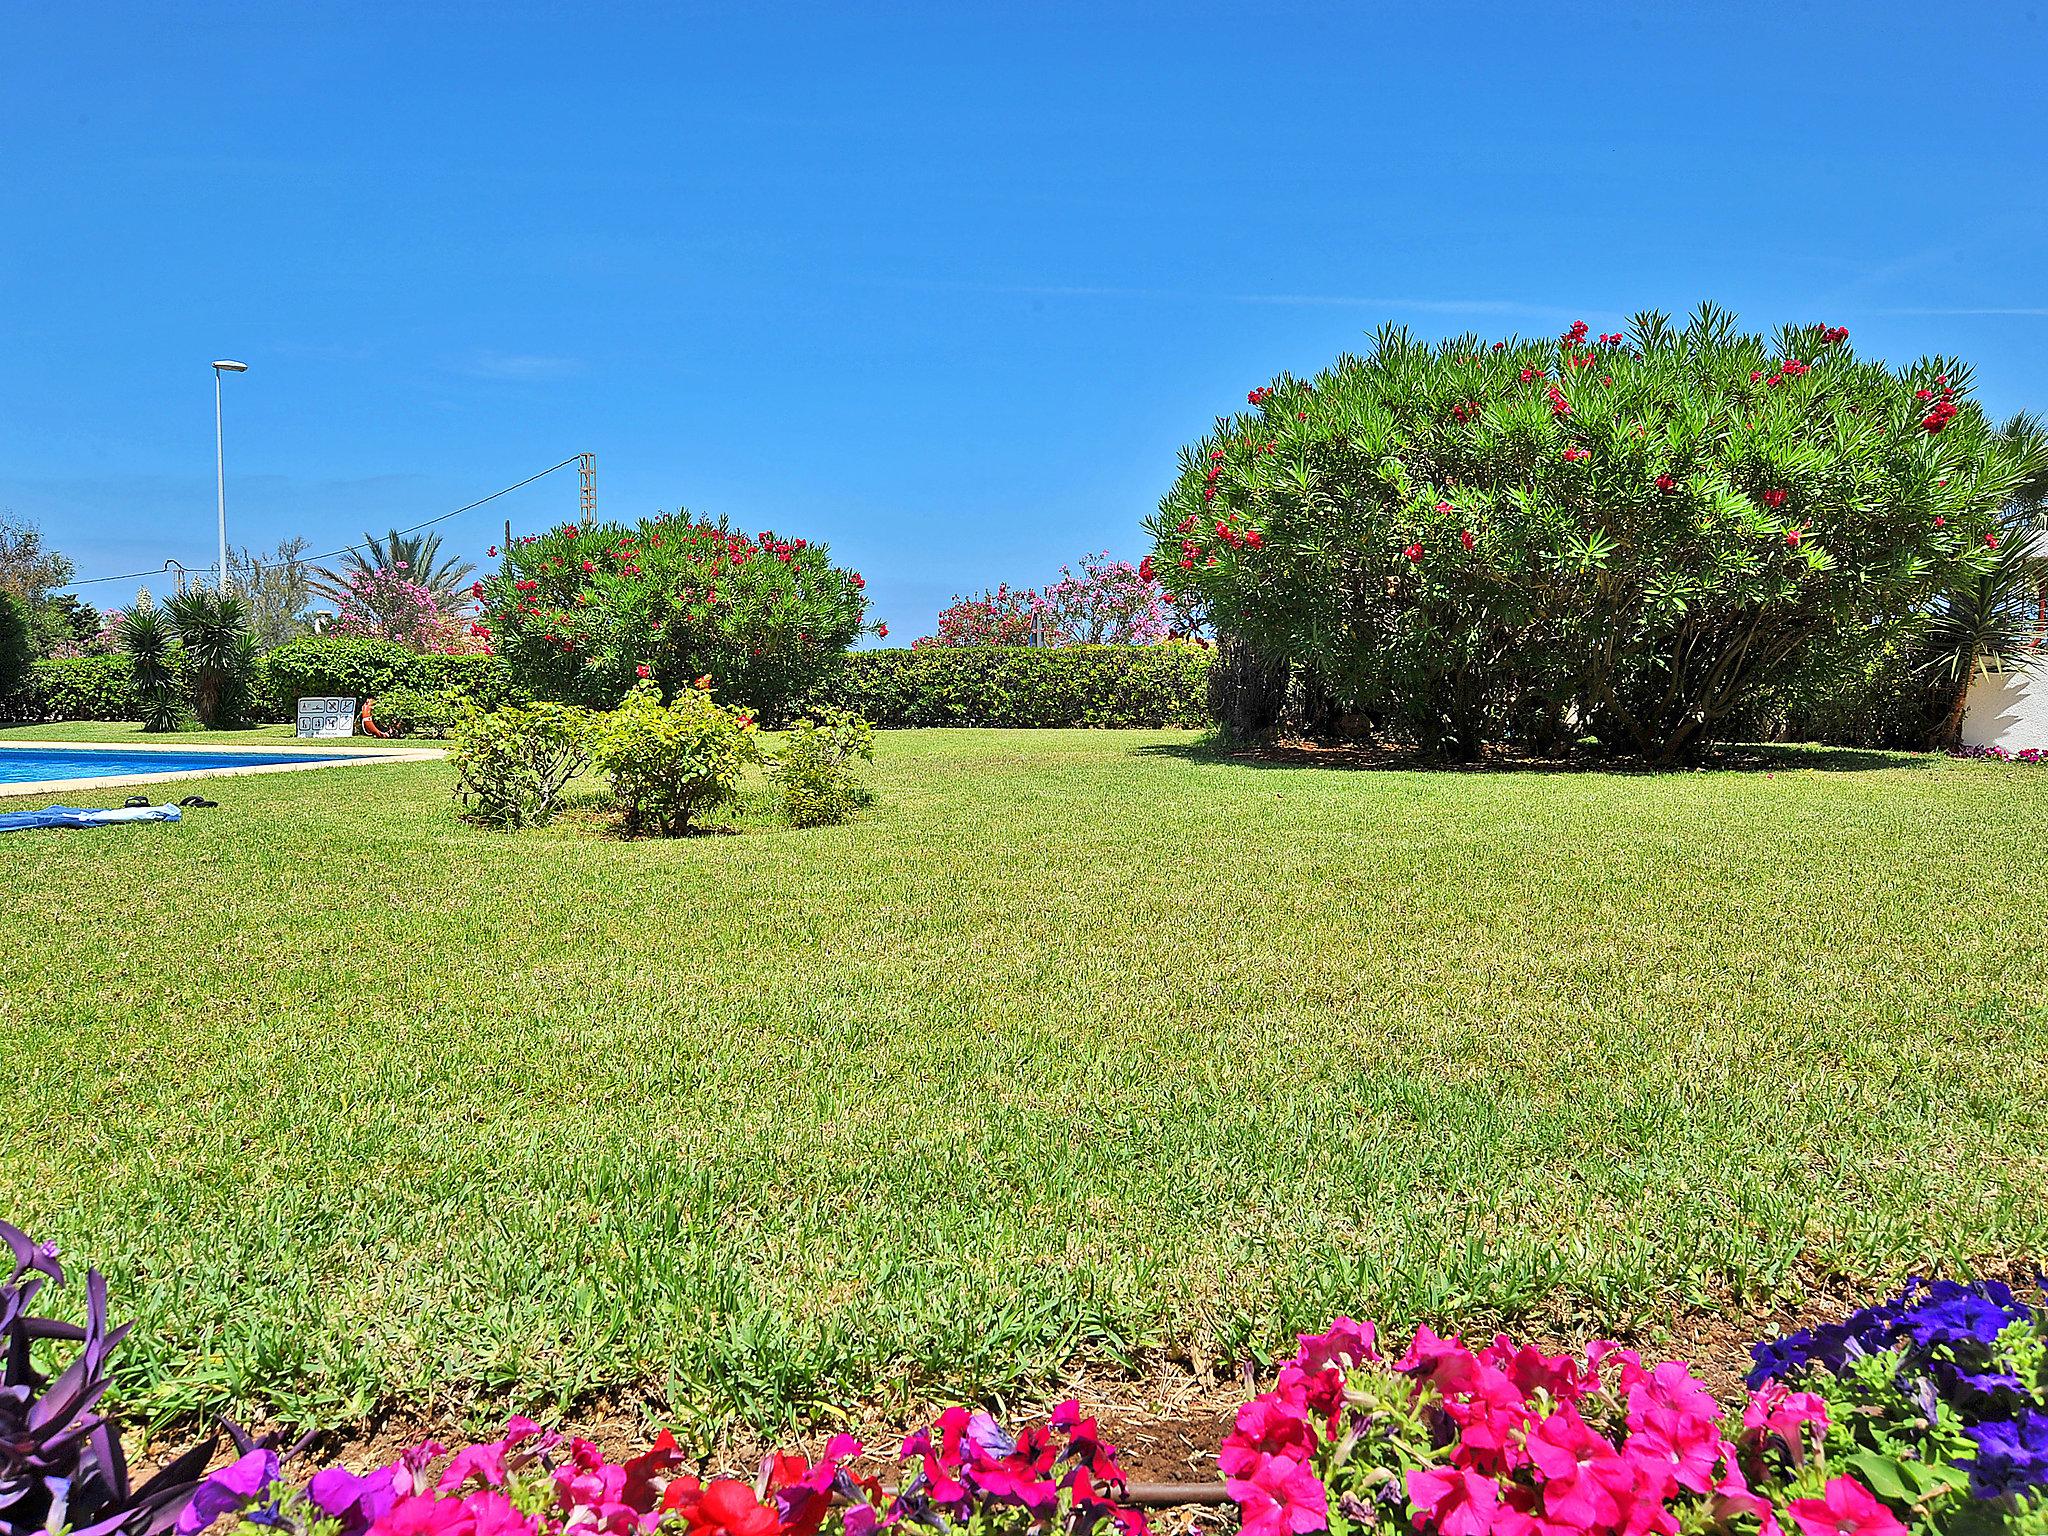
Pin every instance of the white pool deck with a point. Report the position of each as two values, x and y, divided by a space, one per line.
323 754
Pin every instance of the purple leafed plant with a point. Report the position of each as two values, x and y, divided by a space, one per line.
61 1467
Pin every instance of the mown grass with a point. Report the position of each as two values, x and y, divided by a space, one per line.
1078 1044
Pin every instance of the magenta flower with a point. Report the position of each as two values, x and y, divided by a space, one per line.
1847 1509
1453 1501
1282 1497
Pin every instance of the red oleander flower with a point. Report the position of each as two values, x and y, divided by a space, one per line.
1413 552
1774 499
882 630
644 670
1666 484
1465 538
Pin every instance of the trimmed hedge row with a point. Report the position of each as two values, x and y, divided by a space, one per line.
1083 685
76 688
353 666
1080 685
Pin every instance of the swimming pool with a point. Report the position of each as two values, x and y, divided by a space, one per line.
30 767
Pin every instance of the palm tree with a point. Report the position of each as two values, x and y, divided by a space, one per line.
1994 621
213 627
419 556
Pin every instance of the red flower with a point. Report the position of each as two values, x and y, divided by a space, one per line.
1465 538
1991 541
1573 455
1253 539
1923 395
589 565
1666 484
1413 552
859 582
1145 569
644 670
882 630
1941 522
1259 396
1794 535
492 551
1774 499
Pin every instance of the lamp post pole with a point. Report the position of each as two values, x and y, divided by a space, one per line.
220 465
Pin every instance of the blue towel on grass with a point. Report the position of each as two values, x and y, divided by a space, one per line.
81 816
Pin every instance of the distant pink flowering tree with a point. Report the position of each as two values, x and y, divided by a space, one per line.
387 604
1111 602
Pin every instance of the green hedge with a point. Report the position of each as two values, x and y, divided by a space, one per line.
1080 685
350 666
78 688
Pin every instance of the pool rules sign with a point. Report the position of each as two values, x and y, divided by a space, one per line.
327 717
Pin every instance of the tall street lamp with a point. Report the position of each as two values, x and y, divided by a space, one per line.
220 464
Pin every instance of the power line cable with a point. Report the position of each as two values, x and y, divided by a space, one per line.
331 554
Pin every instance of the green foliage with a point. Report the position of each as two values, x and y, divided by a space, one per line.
1637 537
512 764
669 764
815 773
17 643
579 613
417 712
212 629
1115 686
73 688
354 666
155 665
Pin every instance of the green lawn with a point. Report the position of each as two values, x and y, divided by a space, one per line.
1079 1044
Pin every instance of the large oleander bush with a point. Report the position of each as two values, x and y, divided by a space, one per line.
1637 537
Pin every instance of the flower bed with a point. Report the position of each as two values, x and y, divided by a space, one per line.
2002 754
1926 1413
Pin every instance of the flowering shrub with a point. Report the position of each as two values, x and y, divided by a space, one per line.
578 613
1111 602
965 1473
1637 535
999 617
1461 1442
1937 1396
671 763
512 764
360 667
814 772
388 604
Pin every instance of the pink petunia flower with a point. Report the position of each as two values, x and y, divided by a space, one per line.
1453 1501
1847 1509
1282 1497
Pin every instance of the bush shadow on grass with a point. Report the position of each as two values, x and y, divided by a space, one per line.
1734 757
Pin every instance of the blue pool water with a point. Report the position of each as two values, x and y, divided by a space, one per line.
40 765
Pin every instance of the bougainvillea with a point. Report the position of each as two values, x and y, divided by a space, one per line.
1636 535
965 1473
578 612
1937 1396
1454 1441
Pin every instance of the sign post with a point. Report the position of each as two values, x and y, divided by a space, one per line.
327 717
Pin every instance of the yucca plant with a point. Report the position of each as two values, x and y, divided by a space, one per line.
213 627
152 661
61 1466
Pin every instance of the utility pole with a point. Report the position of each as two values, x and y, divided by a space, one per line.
586 471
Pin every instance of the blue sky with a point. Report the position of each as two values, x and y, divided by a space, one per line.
944 285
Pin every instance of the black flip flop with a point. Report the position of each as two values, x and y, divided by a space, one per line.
135 803
199 803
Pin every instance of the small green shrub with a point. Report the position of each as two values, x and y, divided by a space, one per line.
513 763
1109 686
359 667
814 773
671 763
416 712
151 647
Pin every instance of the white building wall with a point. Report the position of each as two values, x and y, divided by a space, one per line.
2008 709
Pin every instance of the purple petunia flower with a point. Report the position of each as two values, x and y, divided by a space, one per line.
2012 1456
230 1490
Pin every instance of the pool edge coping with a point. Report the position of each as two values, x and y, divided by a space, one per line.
330 757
